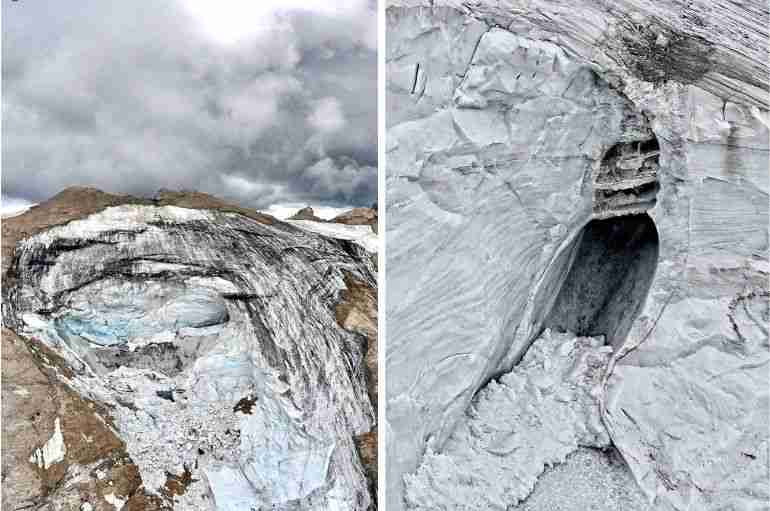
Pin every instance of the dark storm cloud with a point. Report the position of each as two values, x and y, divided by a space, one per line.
132 97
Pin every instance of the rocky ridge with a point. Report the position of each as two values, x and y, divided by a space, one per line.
356 216
306 213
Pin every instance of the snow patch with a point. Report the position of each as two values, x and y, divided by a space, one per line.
53 451
116 501
359 234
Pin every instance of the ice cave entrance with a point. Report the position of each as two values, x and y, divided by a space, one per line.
607 283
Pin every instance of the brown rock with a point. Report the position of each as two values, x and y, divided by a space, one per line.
366 445
357 312
177 484
358 216
306 213
200 200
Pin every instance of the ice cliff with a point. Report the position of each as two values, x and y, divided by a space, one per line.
595 170
216 348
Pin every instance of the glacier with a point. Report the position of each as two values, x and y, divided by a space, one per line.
209 341
588 169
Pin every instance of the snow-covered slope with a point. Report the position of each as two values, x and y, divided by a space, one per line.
11 206
360 234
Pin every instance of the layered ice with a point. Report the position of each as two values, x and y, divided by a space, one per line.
514 130
360 234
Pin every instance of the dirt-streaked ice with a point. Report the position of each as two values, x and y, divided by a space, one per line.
506 123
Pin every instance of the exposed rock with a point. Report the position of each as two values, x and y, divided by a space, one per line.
358 216
306 213
59 449
353 217
367 450
208 340
357 312
515 129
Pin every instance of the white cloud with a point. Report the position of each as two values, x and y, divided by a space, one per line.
94 98
247 190
341 178
327 116
254 108
232 21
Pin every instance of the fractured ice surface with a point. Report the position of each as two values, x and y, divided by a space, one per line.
513 126
530 418
114 311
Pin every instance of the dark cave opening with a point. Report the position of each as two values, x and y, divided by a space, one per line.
607 283
649 146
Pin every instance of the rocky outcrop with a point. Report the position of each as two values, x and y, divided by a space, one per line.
355 216
588 168
357 312
358 216
306 213
204 338
60 450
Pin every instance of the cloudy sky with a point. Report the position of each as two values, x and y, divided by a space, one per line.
264 102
